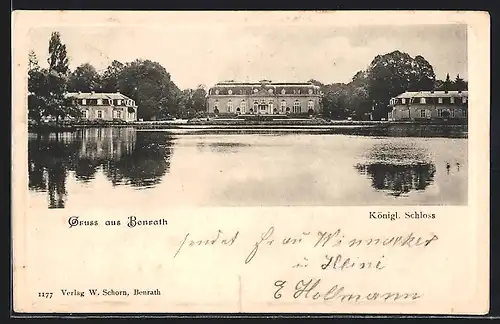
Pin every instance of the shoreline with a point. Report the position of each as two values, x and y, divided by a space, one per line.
222 124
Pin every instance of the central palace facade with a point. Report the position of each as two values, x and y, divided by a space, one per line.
264 97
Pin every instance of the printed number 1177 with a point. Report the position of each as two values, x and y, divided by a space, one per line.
47 295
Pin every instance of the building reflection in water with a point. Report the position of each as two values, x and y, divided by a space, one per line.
126 157
398 169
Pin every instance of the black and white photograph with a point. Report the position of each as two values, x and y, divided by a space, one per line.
247 115
271 162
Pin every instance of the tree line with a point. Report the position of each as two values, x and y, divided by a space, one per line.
145 81
158 97
387 76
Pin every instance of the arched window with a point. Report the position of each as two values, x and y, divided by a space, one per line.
229 106
216 106
310 105
296 107
255 106
282 105
283 91
271 105
243 105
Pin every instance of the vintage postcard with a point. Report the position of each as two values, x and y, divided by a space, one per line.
246 161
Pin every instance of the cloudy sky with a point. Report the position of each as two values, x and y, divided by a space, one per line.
204 53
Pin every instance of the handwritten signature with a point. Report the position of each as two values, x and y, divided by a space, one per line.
312 288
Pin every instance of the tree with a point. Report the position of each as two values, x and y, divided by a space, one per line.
447 84
149 84
36 89
85 79
460 84
57 103
394 73
58 60
199 98
110 77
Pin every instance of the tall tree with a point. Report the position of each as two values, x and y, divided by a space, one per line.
37 89
58 57
447 84
85 79
149 84
57 103
110 77
393 73
460 84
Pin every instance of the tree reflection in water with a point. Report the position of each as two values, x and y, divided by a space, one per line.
126 157
398 168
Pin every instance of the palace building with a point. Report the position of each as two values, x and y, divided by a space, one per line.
264 98
425 105
105 106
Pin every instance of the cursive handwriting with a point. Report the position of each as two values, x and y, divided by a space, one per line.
312 288
264 237
208 242
340 262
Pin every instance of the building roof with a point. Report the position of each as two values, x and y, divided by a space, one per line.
98 95
249 88
433 94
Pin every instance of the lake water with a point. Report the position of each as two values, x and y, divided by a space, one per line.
124 167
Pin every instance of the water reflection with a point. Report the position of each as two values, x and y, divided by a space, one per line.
400 179
126 157
398 168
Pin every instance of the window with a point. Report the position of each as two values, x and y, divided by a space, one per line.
464 113
454 113
422 100
422 113
229 106
464 100
99 102
403 101
283 105
118 114
230 92
440 100
217 91
271 105
310 91
84 101
119 102
255 106
216 105
131 115
310 105
283 91
296 107
452 100
255 90
85 114
111 102
440 113
99 113
243 105
270 90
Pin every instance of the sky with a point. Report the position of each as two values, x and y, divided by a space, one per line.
202 53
